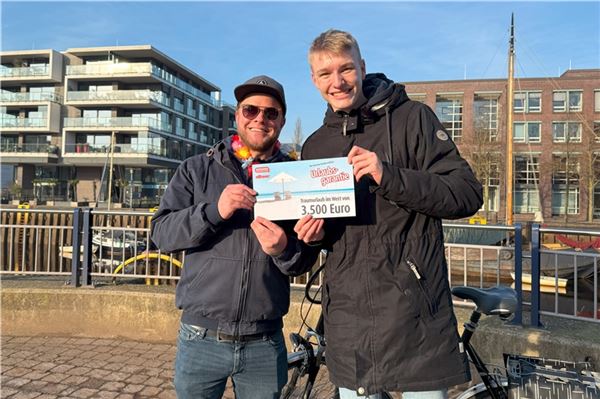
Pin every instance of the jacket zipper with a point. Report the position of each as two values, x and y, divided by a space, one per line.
419 278
243 286
345 125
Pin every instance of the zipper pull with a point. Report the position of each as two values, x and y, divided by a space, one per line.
345 125
414 269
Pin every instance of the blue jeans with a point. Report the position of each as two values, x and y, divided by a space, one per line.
258 368
441 394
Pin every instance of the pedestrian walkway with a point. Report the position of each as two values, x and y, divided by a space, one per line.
60 367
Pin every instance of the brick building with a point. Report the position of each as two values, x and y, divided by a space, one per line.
556 141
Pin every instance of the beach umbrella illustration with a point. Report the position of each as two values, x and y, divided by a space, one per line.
282 178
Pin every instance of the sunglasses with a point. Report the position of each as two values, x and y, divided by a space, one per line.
252 111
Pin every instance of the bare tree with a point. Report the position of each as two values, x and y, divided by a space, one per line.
591 164
484 153
297 139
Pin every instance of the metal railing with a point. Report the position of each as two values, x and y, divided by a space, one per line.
107 248
91 149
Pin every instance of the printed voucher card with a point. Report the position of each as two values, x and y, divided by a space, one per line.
323 188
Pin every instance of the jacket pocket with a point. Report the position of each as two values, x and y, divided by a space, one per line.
426 305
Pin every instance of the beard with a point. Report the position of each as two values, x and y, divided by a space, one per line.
263 147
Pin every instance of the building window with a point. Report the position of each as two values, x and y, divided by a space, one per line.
563 132
449 111
596 199
565 185
597 131
567 101
527 178
527 132
597 100
485 121
527 101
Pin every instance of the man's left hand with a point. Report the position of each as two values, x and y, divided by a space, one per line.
272 238
365 162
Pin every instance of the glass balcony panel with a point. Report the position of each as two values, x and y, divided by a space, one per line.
122 122
118 95
12 147
8 122
38 70
123 68
10 97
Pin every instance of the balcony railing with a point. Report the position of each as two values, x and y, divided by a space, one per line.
85 148
41 70
118 122
8 122
118 95
10 97
123 68
133 68
14 147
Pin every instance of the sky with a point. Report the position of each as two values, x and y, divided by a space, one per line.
229 42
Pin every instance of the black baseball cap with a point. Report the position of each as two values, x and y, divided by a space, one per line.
261 84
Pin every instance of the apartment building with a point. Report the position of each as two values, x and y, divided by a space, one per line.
556 141
129 109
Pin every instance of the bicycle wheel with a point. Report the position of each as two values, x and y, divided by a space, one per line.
479 391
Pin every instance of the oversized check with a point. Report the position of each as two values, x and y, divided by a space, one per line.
323 188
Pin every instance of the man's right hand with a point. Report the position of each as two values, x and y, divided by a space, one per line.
309 229
234 197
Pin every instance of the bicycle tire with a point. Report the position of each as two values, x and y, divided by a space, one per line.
479 391
292 384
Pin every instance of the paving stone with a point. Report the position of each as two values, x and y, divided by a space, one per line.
154 381
15 382
167 394
106 395
137 379
84 393
45 366
150 391
25 395
17 372
34 386
75 380
62 368
125 396
55 377
133 388
5 392
117 376
112 386
54 388
79 370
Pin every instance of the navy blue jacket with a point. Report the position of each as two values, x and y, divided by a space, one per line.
228 282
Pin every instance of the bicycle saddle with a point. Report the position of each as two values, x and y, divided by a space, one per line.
501 301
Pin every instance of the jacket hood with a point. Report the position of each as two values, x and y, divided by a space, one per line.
379 95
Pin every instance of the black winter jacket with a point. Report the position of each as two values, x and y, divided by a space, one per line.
388 312
228 282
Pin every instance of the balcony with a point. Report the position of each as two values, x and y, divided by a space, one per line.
117 96
116 123
20 72
139 68
143 149
124 68
13 153
8 122
10 97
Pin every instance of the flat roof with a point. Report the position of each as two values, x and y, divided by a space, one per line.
143 51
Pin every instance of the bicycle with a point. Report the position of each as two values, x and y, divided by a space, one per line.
523 374
309 352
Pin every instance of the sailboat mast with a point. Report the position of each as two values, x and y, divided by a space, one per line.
509 124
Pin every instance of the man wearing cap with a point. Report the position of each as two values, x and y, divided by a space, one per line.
234 288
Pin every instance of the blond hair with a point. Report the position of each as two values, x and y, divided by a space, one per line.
334 41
